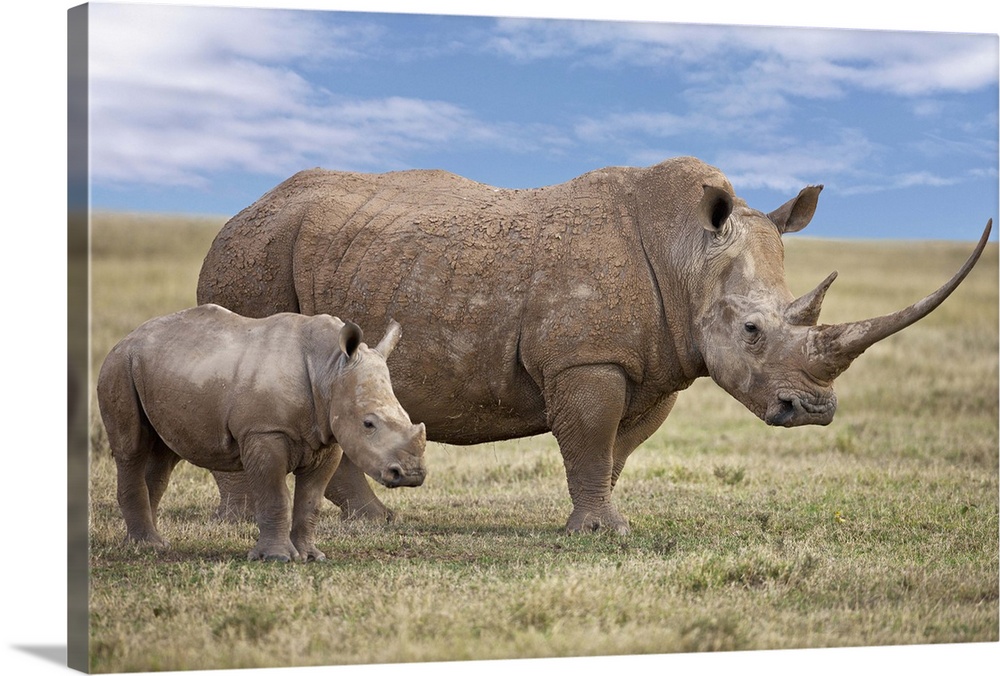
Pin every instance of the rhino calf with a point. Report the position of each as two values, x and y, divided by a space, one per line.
263 396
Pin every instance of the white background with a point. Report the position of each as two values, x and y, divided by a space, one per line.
33 327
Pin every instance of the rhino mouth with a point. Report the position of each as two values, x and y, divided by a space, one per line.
792 410
395 476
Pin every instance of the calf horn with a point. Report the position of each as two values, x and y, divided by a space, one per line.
833 348
389 340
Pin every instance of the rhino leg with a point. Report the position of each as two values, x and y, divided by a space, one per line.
159 467
132 440
349 489
585 406
310 483
633 433
265 462
134 499
235 497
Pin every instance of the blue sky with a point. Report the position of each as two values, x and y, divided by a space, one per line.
203 109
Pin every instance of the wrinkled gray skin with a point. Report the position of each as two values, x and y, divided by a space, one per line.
265 396
582 308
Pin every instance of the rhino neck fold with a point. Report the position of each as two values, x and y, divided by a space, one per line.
676 344
321 377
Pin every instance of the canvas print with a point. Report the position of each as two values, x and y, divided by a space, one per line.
433 338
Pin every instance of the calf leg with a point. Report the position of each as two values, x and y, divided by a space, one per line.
265 463
160 466
348 489
131 439
309 486
585 406
134 500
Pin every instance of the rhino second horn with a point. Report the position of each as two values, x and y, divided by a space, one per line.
833 348
804 311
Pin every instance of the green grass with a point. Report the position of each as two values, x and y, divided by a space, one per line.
880 529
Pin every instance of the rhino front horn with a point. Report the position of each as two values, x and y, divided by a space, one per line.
833 348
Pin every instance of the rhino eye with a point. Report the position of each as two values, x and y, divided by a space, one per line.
369 424
751 332
750 328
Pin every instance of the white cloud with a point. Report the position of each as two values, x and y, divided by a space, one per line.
802 62
177 93
923 178
180 92
745 88
793 166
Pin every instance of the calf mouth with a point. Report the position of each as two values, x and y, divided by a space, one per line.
792 410
394 476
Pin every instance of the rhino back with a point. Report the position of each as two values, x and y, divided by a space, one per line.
248 268
207 378
493 287
425 248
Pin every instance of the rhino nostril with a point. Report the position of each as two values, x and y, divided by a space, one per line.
392 475
785 412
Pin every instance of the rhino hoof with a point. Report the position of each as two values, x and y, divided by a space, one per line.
318 556
270 558
375 514
591 522
154 542
278 556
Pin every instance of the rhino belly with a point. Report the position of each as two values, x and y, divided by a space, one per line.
465 422
193 426
187 400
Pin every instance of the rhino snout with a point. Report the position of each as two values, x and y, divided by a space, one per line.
395 476
792 410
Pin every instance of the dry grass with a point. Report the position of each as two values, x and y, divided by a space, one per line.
880 529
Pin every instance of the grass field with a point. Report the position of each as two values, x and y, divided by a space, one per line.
880 529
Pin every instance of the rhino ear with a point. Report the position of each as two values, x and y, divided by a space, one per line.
715 206
796 213
350 338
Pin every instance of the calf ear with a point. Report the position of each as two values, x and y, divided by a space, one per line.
796 213
350 339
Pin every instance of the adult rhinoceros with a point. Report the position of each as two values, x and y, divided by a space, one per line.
581 308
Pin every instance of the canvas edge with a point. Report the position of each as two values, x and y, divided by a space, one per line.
78 343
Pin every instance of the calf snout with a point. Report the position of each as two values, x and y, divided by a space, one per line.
395 475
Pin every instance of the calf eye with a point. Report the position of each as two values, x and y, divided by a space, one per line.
369 425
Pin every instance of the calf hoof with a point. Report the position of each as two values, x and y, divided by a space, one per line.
277 553
152 541
311 554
